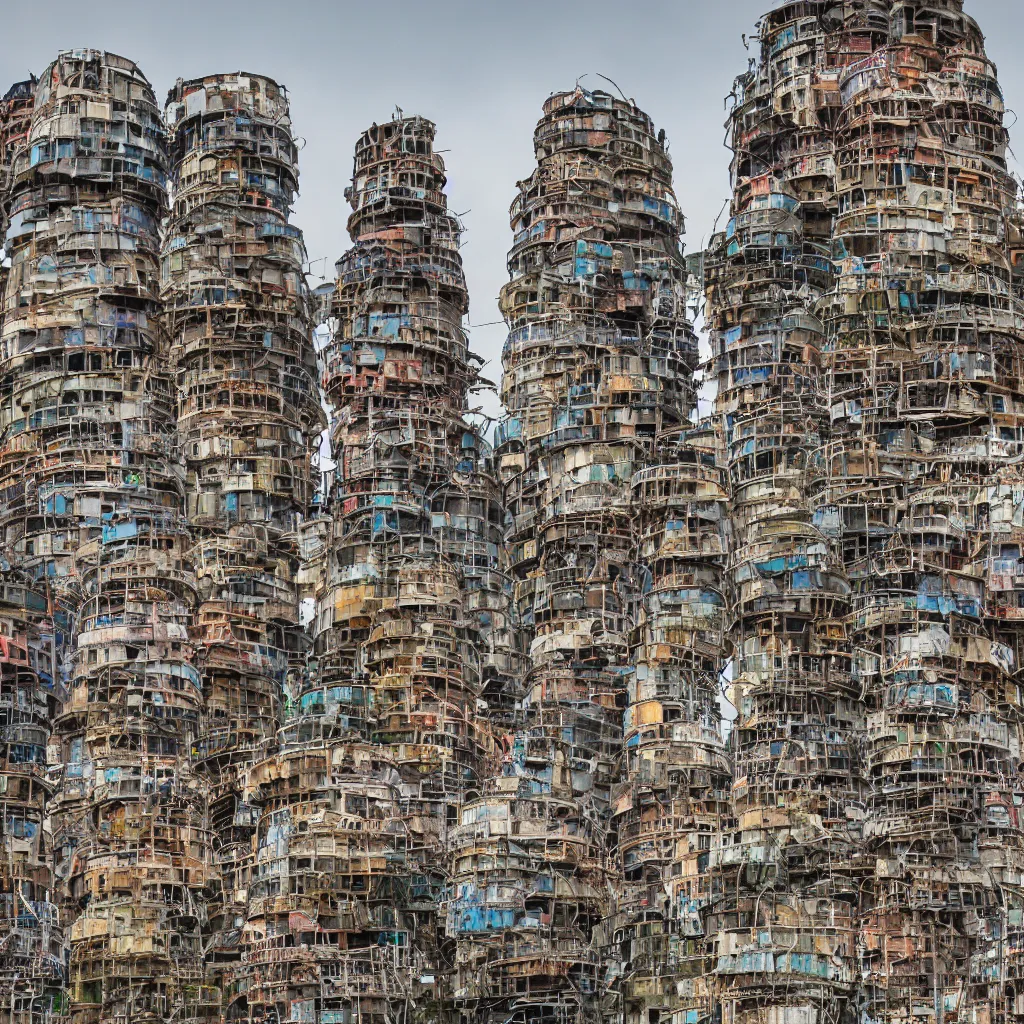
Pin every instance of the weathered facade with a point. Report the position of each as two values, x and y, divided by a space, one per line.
924 373
32 972
783 925
387 734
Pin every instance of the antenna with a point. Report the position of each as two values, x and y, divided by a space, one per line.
616 84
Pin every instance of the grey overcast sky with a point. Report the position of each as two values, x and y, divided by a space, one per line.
479 69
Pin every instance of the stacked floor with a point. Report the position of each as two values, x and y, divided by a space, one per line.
924 375
32 971
783 924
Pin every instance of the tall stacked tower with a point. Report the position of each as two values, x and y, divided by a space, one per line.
388 734
913 347
674 796
249 422
784 923
398 374
924 375
93 516
598 368
32 973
